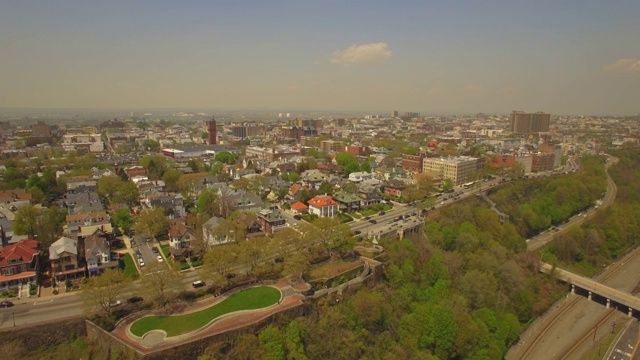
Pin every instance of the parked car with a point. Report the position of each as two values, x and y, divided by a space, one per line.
5 304
373 221
366 218
160 259
357 232
154 250
134 299
115 303
297 217
196 284
381 213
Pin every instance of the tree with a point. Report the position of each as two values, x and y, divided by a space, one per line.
293 177
122 218
447 184
161 284
26 220
350 187
218 263
206 203
151 145
100 291
171 178
39 223
128 194
226 157
151 222
325 188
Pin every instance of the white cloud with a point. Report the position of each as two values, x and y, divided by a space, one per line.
360 54
624 66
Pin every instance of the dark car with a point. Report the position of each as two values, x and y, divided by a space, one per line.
198 283
366 218
6 304
297 217
154 250
373 221
135 299
381 213
357 232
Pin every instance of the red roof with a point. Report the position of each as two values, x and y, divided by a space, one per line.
320 201
299 205
23 251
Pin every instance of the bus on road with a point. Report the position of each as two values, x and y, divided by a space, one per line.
468 185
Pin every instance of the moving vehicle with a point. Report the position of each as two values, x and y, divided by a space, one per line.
5 304
373 221
197 284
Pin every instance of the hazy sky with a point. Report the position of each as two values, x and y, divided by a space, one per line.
560 56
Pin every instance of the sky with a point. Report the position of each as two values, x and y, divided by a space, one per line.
563 57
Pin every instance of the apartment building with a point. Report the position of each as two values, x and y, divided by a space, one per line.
459 169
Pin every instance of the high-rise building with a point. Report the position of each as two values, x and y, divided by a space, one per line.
529 123
394 114
247 131
212 130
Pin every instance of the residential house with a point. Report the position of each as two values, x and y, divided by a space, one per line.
15 197
240 199
312 179
85 224
82 202
18 263
299 207
248 223
173 204
209 232
395 188
270 220
323 206
180 236
135 171
64 259
348 202
97 252
360 176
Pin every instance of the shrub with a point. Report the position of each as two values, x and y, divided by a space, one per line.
55 292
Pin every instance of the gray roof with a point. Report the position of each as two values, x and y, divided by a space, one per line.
64 244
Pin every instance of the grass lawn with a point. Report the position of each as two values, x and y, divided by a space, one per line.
344 218
368 212
249 299
197 263
184 265
129 267
355 215
165 251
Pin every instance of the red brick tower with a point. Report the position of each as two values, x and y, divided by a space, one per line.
211 129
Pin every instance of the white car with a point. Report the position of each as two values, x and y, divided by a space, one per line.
160 258
115 303
141 262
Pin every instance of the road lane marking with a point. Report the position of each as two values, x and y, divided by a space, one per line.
43 302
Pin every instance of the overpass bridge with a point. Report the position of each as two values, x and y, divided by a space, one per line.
593 287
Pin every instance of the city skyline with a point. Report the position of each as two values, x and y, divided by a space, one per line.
571 58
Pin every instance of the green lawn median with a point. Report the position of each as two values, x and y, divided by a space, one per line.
248 299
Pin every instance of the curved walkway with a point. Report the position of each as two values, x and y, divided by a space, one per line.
156 340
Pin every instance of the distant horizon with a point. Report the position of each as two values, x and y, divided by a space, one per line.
4 111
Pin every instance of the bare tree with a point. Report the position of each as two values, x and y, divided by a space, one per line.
161 284
101 291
